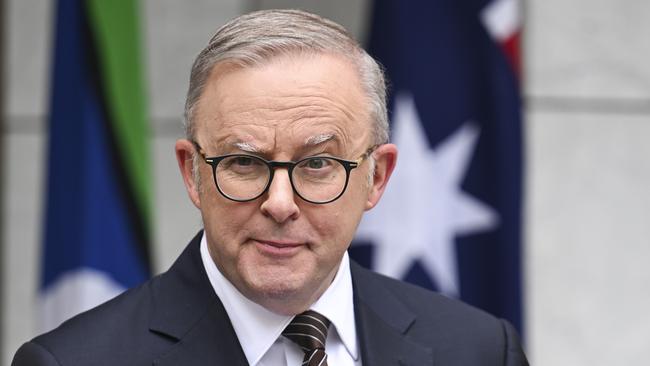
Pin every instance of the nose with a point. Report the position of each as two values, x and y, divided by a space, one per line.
279 201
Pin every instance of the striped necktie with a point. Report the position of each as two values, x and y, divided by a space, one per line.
309 331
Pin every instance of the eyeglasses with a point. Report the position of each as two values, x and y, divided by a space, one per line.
316 179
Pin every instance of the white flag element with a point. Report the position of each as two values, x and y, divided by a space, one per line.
74 292
502 18
423 208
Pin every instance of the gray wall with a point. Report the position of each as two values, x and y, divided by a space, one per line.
588 120
587 91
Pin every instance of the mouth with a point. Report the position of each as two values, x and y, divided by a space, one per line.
278 249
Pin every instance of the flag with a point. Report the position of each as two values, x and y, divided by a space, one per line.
97 222
450 219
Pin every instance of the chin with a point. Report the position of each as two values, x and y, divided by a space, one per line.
278 287
283 282
279 293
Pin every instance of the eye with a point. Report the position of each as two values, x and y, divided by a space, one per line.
316 163
243 161
241 164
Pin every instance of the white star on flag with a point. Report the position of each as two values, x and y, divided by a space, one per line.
423 208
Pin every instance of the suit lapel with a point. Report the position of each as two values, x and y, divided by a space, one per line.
210 342
382 324
186 309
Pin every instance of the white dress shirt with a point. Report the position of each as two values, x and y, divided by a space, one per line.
260 331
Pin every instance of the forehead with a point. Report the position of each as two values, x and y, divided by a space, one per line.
290 101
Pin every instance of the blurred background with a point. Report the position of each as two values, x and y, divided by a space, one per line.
585 89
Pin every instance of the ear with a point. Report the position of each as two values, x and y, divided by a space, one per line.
184 154
385 159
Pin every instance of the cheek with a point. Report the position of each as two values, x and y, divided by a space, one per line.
336 227
224 219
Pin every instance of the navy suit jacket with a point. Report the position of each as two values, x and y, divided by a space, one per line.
177 319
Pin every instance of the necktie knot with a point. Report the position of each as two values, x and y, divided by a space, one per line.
309 331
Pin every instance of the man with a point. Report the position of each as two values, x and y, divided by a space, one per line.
286 148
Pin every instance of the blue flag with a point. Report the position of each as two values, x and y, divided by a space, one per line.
450 219
96 228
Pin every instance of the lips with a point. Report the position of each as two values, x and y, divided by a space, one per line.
278 248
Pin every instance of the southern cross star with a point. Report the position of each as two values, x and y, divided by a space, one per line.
423 208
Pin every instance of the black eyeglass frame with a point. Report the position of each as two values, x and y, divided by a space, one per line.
348 165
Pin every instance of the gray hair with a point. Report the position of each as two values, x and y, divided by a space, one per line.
252 39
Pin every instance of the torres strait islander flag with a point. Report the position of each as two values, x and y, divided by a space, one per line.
98 202
450 219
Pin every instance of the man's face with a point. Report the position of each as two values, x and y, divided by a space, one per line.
278 250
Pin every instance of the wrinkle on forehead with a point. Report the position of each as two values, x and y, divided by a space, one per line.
269 141
294 106
309 125
278 139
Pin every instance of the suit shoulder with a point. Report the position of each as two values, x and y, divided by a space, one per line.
110 314
423 301
114 325
433 309
34 354
466 332
415 296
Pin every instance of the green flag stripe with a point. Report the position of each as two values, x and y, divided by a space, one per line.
116 29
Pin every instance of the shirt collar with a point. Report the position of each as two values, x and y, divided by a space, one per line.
260 327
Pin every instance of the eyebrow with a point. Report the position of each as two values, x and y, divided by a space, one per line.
246 146
319 139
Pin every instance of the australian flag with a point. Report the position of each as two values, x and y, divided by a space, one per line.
450 219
